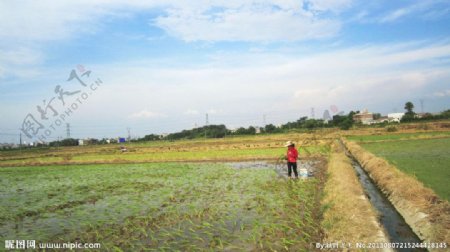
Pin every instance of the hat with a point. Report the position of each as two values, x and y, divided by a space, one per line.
289 143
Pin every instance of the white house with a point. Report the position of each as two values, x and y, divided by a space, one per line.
395 117
364 117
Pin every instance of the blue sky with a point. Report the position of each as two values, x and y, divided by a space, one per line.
165 64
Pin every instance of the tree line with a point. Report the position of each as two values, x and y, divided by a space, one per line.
343 122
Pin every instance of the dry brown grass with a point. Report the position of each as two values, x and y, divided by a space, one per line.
149 152
415 127
350 217
423 210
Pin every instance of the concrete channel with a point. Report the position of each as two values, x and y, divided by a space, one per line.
394 225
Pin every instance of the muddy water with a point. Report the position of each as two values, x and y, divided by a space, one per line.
394 224
280 167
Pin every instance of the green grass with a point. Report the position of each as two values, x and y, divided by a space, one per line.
427 159
398 136
186 207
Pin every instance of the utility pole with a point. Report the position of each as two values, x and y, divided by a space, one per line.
129 134
206 123
20 142
68 130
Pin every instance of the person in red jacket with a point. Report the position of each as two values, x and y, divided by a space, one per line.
292 156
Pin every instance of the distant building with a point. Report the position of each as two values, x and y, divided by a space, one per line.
380 120
395 117
364 117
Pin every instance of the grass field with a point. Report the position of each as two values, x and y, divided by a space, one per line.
427 159
399 136
165 206
239 148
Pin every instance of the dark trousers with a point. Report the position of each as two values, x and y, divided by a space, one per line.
292 166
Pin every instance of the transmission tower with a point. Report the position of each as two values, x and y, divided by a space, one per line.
68 130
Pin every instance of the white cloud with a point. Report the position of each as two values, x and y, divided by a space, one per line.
146 114
329 5
192 112
443 93
245 24
19 61
213 111
396 15
48 20
252 83
20 56
241 88
425 8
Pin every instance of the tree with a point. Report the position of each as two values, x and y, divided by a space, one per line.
150 137
409 115
270 128
446 114
409 106
346 124
338 119
251 130
65 142
311 124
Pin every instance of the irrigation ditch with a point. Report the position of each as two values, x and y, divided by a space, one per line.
396 229
405 218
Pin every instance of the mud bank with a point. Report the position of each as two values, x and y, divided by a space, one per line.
348 218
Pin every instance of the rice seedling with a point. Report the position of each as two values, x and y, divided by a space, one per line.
194 207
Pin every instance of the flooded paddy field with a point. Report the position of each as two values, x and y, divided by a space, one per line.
163 206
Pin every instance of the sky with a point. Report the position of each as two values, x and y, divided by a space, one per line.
110 68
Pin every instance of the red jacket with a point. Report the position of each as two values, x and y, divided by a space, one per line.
292 154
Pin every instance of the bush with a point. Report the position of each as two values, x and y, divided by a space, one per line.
346 124
391 129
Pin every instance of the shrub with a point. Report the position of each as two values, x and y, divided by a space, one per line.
391 129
